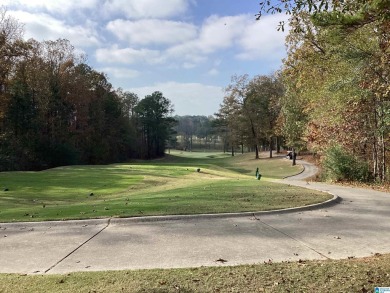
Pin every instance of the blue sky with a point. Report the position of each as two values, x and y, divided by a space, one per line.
187 49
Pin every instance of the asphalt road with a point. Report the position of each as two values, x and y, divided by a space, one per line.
357 226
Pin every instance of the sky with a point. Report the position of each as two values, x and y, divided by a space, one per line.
187 49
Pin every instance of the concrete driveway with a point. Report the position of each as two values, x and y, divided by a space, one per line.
357 226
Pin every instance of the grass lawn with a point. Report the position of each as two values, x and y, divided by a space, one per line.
173 186
159 187
351 275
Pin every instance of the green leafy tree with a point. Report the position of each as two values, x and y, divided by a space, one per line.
155 124
263 100
251 109
195 127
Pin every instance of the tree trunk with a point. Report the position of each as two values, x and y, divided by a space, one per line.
278 144
270 147
255 138
375 149
383 158
375 161
294 157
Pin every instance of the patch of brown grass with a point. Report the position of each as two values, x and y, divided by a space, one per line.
350 275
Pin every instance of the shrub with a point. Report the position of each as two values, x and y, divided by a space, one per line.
340 165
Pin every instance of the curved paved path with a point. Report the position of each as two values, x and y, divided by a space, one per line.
358 226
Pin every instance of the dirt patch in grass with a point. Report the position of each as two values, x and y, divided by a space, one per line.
350 275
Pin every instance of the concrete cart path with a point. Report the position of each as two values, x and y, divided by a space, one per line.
358 226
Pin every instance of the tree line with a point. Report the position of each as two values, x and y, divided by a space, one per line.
249 113
56 110
332 95
337 70
197 132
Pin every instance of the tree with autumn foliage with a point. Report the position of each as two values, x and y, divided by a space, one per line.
250 111
56 110
263 100
227 125
337 72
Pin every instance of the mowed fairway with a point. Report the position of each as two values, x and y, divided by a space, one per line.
168 186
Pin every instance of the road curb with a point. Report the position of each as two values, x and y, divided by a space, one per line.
331 202
303 170
326 204
117 220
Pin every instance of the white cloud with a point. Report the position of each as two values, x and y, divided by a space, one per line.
120 73
52 6
188 65
213 72
187 98
247 38
221 32
152 31
188 54
216 33
241 33
128 55
261 40
190 46
137 9
42 26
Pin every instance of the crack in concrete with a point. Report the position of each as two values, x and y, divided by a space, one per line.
78 247
291 237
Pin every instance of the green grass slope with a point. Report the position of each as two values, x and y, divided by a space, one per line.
160 187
